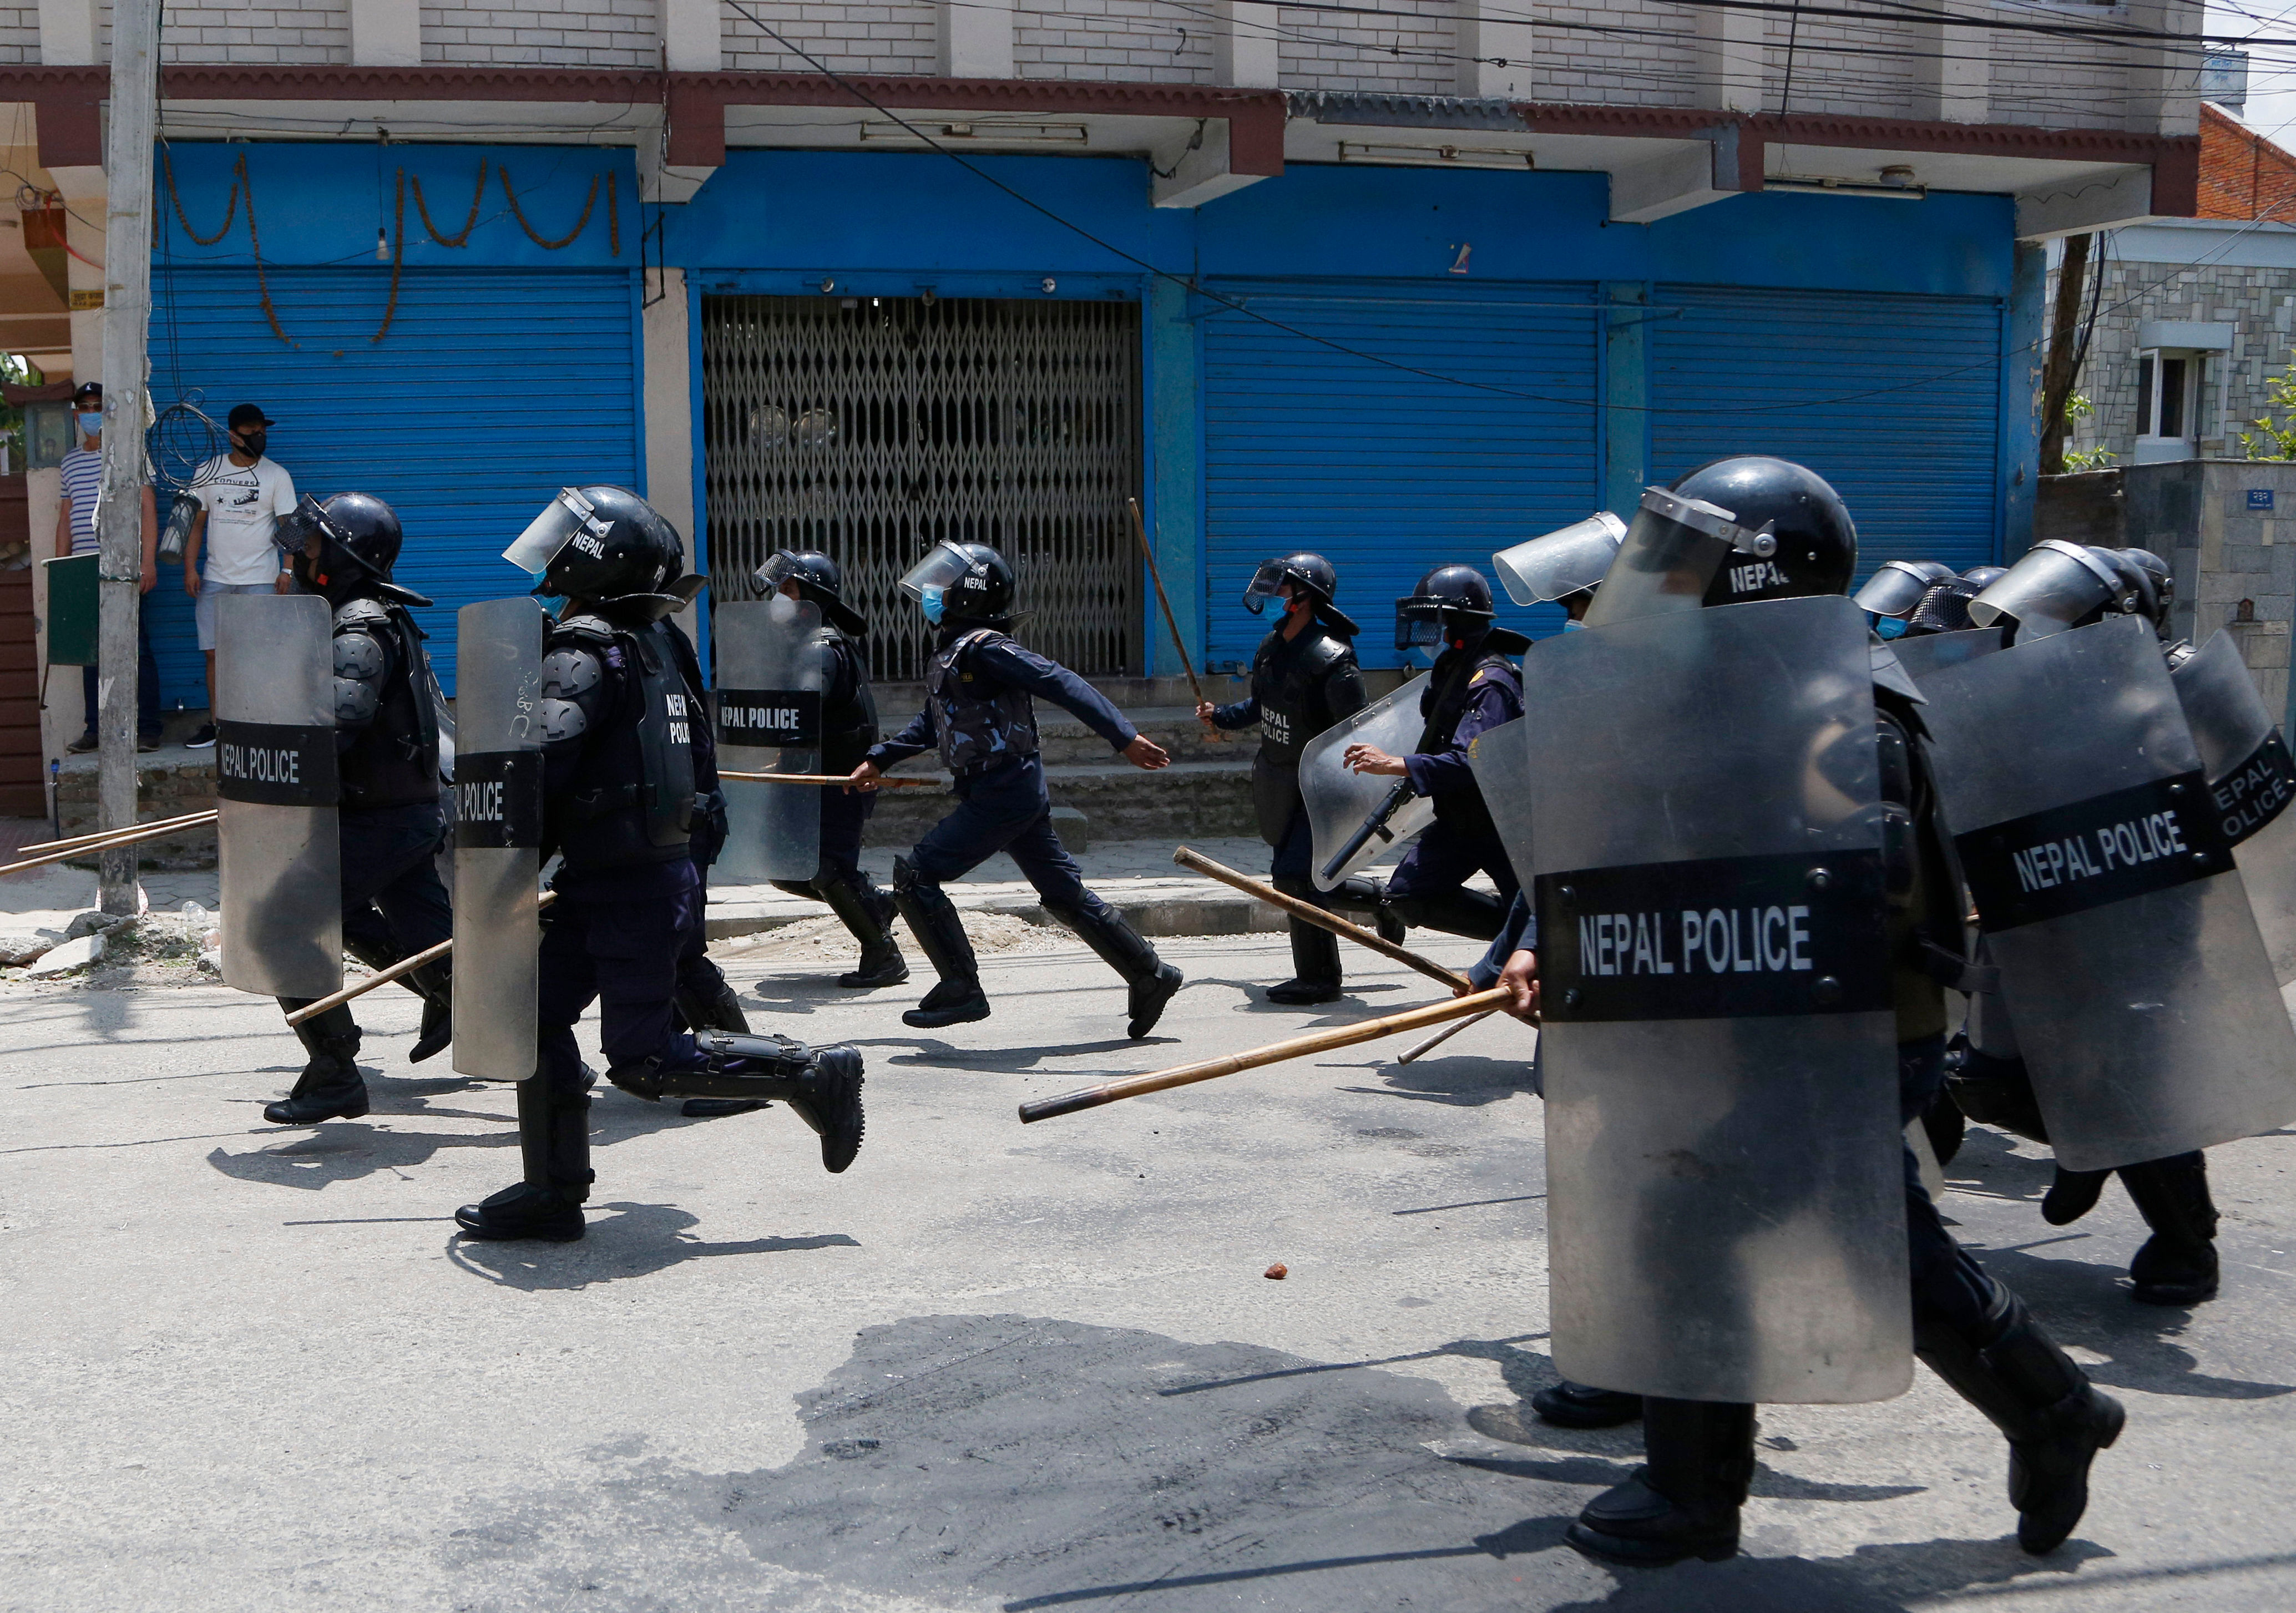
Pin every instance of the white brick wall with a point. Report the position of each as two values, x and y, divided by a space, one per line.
896 36
543 33
1414 55
1580 66
1840 66
2057 83
1139 40
316 31
19 34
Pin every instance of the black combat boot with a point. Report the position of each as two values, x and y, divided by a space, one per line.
1458 911
1684 1500
553 1136
868 913
1580 1405
2071 1195
2055 1419
2177 1265
1315 956
1993 1091
434 983
1153 982
330 1087
1359 896
822 1084
707 1001
933 918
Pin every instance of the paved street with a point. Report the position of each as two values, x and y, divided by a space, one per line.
989 1367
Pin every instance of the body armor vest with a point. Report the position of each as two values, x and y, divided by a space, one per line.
631 799
704 733
976 730
849 727
1449 694
393 760
1287 679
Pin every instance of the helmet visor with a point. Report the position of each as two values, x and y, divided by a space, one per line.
1418 622
1562 562
1669 557
552 530
1270 577
1897 588
943 565
780 569
2053 586
299 525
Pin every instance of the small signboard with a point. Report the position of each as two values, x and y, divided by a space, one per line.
2259 498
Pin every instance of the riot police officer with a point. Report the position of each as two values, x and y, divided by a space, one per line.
2054 588
1909 599
978 713
848 729
618 718
1304 678
705 999
1969 1329
390 823
1473 687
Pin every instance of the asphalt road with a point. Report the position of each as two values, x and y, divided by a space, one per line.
989 1367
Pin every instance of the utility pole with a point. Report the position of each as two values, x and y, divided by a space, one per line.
119 508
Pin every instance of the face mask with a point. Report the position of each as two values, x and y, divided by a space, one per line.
931 605
90 424
254 442
1890 627
1569 626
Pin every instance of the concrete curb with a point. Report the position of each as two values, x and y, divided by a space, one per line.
1181 914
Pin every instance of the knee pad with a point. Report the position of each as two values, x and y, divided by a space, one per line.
909 885
796 888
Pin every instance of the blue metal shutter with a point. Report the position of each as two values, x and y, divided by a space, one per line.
490 391
1387 473
1903 399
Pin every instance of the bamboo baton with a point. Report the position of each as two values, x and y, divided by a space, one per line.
1441 1037
385 976
1156 576
880 782
1188 858
1297 1047
104 842
190 820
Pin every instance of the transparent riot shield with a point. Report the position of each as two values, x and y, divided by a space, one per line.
2147 1007
1923 653
497 837
1500 758
2250 784
770 673
275 787
1341 803
1725 1201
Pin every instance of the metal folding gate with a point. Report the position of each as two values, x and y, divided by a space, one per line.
869 427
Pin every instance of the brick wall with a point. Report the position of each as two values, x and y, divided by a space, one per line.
1839 66
1139 40
1650 66
543 33
2243 174
19 34
313 31
895 37
1412 52
2057 83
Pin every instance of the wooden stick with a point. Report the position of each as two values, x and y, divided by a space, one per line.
1441 1037
384 977
190 820
1297 1047
1313 915
829 778
1156 576
125 837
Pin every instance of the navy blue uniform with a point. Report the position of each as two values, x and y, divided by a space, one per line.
1427 888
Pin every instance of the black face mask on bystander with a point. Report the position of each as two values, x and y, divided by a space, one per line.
254 442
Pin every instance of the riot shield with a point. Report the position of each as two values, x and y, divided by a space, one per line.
2147 1008
1725 1201
497 837
770 673
1340 802
1500 759
1923 653
2251 783
275 787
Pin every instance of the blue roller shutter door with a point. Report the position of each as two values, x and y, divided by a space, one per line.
1894 399
490 392
1386 472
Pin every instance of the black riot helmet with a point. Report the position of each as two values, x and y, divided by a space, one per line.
604 544
1308 573
2053 587
1450 607
1898 586
1817 543
1944 608
358 542
2156 590
961 583
818 579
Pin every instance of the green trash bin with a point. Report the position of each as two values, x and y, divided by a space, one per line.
71 609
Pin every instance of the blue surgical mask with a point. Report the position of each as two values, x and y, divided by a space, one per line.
90 425
1890 627
1572 626
929 601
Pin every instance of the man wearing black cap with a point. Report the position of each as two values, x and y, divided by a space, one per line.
242 497
76 534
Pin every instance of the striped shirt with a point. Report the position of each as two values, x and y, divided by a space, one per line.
83 470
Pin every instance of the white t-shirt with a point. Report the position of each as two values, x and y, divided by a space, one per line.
243 503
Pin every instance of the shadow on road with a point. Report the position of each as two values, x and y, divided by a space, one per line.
636 1241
